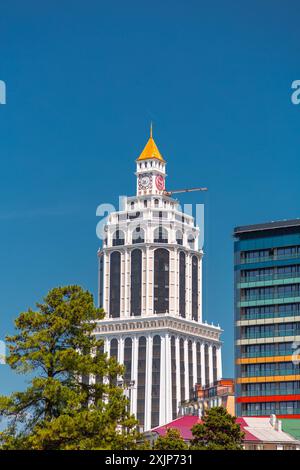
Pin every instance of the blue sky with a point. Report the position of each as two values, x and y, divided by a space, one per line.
84 80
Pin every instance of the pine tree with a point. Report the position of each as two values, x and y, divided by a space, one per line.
56 346
172 440
218 431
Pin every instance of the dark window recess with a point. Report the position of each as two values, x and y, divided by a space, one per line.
195 288
198 354
206 356
115 284
182 284
140 412
155 382
136 282
215 370
191 378
118 238
127 359
161 281
173 377
114 353
182 369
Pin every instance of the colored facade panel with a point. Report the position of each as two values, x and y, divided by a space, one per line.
267 319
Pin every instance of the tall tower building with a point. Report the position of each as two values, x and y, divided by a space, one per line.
267 319
150 286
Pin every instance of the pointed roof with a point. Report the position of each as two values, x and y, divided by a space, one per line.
150 150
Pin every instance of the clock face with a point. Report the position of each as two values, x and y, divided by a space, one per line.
145 181
160 183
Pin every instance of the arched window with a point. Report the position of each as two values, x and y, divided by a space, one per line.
101 281
195 288
140 410
127 359
191 378
136 282
118 238
138 235
182 284
215 369
191 241
179 237
160 235
155 381
161 280
173 377
132 205
115 284
156 203
145 203
182 369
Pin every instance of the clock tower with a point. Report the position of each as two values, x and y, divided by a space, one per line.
150 170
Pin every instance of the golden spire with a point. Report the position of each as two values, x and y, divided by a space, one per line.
151 150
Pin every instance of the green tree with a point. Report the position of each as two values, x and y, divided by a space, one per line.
56 346
172 440
218 431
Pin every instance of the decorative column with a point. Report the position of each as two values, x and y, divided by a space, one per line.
194 363
178 390
219 362
134 374
148 382
202 351
186 370
168 380
121 351
210 362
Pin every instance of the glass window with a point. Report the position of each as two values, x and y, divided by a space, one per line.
173 377
118 238
136 282
155 382
127 359
195 288
182 276
115 284
161 281
182 370
140 413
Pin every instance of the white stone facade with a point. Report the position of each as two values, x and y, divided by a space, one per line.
153 300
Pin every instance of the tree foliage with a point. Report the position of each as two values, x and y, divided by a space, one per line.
172 440
218 431
60 409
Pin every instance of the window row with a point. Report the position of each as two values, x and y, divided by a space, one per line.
267 331
268 408
161 235
271 388
161 283
269 253
279 368
276 272
266 350
258 293
270 311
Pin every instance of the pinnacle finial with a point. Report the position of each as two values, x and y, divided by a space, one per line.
151 130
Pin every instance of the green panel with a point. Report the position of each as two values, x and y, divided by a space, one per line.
292 427
256 303
276 282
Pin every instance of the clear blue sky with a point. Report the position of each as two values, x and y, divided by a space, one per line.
84 79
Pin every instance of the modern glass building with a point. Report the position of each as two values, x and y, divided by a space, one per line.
267 319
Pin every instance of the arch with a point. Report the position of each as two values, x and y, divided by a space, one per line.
136 283
161 280
195 265
118 238
161 235
155 381
138 235
115 284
